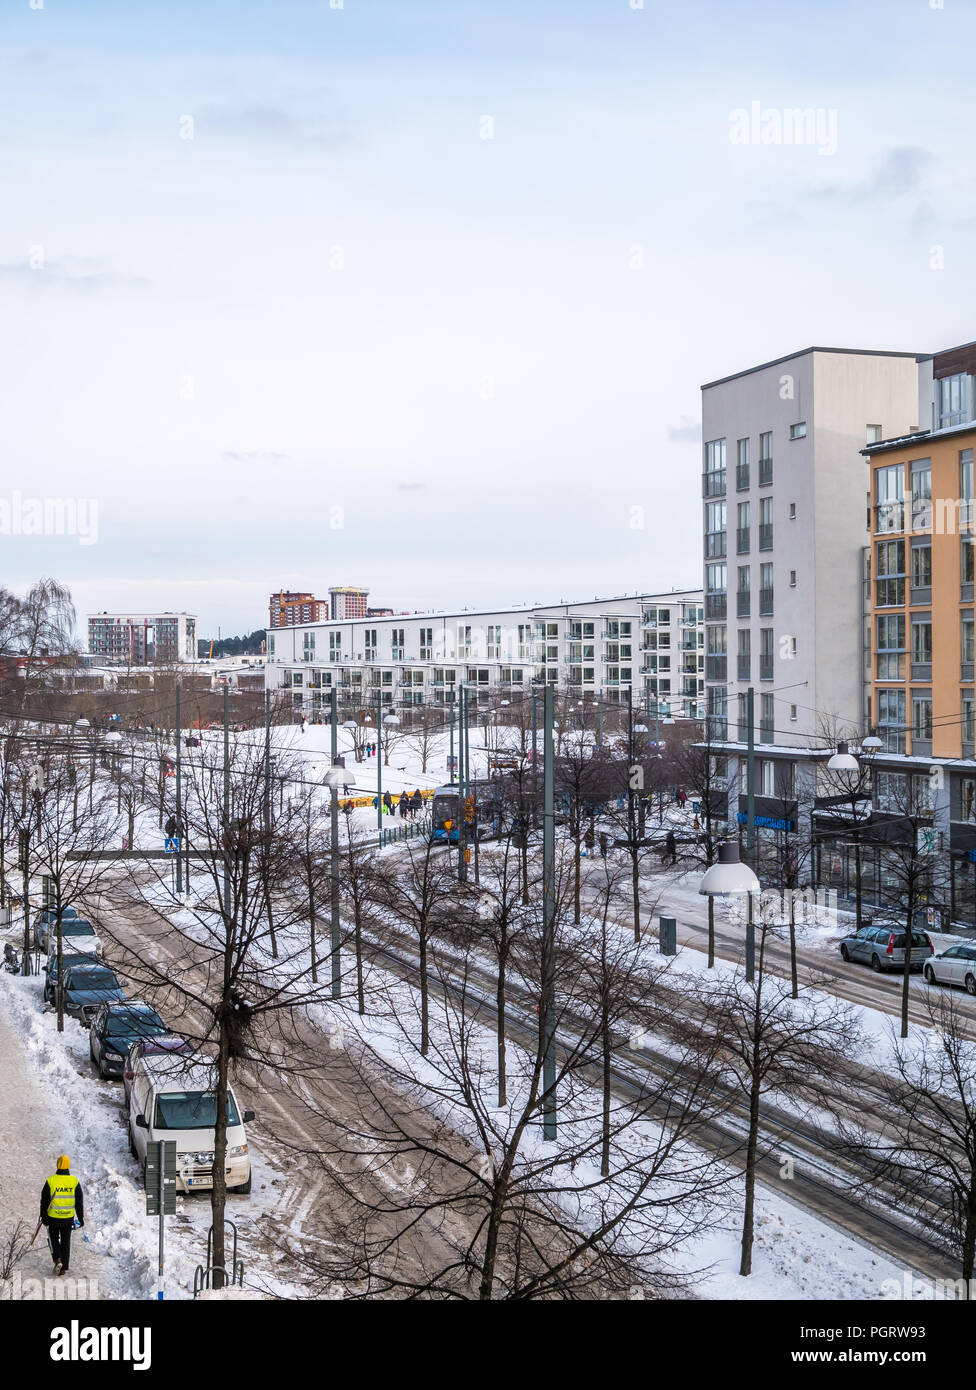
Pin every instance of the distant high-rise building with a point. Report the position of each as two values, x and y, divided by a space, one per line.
286 608
347 602
142 639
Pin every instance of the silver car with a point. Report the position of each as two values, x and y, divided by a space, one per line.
956 966
883 948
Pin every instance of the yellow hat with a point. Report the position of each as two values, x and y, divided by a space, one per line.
64 1162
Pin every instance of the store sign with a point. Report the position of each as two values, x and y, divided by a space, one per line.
768 822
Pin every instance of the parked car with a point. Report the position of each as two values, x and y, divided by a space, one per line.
956 966
161 1046
114 1028
88 986
171 1098
50 914
51 970
77 934
883 947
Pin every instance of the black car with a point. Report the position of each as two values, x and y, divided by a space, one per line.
115 1027
87 988
51 972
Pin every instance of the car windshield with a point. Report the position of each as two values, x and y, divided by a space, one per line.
144 1023
191 1110
918 939
77 927
90 979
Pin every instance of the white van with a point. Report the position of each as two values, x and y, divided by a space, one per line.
171 1098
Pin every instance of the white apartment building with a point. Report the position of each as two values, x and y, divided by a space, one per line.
785 506
651 644
142 639
786 516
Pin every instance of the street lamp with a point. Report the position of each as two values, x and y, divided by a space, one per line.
729 877
871 744
843 760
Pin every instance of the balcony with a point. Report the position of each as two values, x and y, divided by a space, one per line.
743 604
716 606
766 731
744 668
742 540
766 537
765 668
714 545
765 603
741 477
713 484
765 472
716 668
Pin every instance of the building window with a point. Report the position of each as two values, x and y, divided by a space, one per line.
335 645
397 643
967 637
799 431
889 495
921 714
766 458
954 402
921 566
921 639
890 647
765 523
874 434
891 720
714 468
792 579
965 489
715 521
766 653
793 712
890 584
968 717
921 473
426 643
741 464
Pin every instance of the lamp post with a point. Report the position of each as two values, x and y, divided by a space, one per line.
844 762
332 779
729 877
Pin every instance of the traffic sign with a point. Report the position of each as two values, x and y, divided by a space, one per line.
171 844
161 1153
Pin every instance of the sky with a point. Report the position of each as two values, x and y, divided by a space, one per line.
419 295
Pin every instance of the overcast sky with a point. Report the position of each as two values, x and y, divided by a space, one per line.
339 336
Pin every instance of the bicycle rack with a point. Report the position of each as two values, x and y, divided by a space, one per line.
202 1277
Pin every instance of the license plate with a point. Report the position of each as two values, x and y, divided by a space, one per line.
199 1182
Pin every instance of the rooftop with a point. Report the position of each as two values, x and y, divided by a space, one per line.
805 352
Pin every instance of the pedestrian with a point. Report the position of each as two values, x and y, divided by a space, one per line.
345 789
696 827
387 802
683 797
671 847
416 803
404 807
603 844
61 1201
303 723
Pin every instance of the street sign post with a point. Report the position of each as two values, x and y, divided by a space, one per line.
161 1190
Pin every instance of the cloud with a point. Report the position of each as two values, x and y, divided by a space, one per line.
254 456
902 172
688 432
272 123
70 274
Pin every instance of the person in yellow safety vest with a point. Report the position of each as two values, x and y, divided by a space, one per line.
61 1200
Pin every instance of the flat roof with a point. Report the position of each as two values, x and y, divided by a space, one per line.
671 596
903 441
805 352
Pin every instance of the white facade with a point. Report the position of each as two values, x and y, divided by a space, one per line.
785 493
651 644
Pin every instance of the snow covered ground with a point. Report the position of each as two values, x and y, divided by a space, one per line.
51 1102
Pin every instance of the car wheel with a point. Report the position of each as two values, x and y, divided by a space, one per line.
971 984
845 953
929 975
132 1142
244 1188
876 963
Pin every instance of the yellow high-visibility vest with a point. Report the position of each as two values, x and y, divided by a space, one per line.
62 1188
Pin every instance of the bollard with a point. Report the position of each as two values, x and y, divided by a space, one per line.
668 935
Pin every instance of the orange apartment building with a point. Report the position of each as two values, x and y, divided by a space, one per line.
921 639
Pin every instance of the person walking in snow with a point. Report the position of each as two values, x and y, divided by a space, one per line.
416 804
61 1201
387 803
404 805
